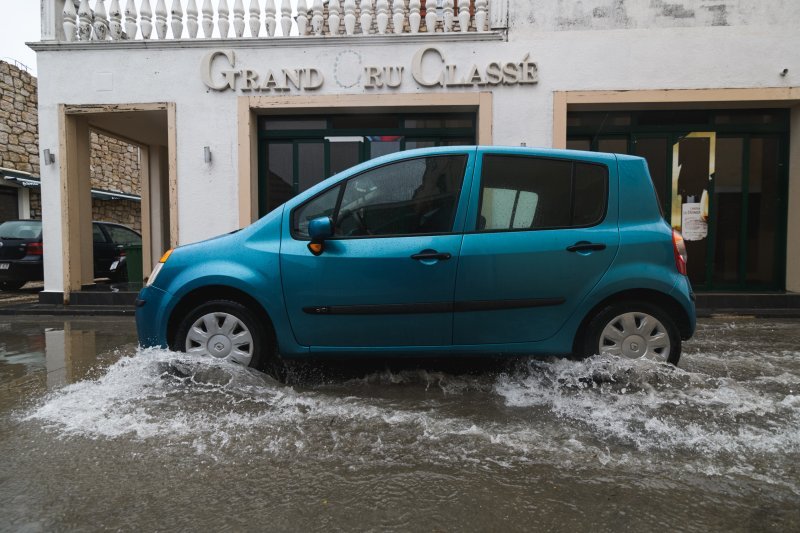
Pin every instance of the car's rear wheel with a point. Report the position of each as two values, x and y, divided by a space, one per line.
11 285
634 330
227 330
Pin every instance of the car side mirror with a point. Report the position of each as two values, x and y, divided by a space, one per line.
319 230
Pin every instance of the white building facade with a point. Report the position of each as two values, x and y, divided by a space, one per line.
230 127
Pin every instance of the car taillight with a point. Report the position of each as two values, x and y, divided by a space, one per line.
679 247
34 248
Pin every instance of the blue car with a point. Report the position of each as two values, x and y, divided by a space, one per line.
436 252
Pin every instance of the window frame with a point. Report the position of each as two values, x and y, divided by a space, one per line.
342 184
573 163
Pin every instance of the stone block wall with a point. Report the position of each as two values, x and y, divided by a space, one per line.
19 120
113 164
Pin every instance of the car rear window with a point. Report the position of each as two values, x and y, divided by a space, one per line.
21 229
530 193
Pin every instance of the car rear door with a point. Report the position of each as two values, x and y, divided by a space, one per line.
386 278
545 232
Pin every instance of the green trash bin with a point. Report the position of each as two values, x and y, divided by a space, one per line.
133 262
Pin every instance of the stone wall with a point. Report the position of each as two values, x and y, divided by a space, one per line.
127 212
19 122
113 164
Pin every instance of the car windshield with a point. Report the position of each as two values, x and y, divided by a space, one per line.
21 229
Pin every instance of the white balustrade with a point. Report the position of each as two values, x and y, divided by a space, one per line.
70 21
161 19
414 16
334 18
382 15
88 20
448 15
430 16
481 14
286 17
350 16
85 16
100 21
238 19
223 20
398 16
115 20
176 19
463 15
147 19
317 18
191 19
366 16
269 18
208 19
302 17
255 18
130 19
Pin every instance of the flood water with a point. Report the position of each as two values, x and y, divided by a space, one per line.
97 434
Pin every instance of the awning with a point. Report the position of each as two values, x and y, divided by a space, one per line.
25 179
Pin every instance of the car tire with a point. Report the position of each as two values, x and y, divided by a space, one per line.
227 330
633 330
11 285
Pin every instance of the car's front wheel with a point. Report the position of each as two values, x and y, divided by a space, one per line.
227 330
634 330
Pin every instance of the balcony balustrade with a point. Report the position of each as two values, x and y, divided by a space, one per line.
109 20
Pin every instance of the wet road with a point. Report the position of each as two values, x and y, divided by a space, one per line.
95 434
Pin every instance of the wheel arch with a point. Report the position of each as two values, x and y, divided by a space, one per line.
668 303
207 293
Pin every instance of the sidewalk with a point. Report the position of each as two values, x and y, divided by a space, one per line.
25 301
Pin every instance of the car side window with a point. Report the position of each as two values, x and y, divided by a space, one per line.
97 233
322 205
411 197
523 192
121 235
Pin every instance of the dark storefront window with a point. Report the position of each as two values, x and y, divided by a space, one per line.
721 178
296 153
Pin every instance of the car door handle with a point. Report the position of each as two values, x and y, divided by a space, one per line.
584 246
431 255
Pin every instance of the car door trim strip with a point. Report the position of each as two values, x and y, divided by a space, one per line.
432 307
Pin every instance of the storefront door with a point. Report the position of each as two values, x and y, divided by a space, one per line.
298 152
721 181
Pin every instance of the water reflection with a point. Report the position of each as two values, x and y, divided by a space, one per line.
714 444
47 352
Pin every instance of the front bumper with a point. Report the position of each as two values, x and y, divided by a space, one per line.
151 317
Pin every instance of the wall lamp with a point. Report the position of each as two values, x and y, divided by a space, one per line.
207 154
49 158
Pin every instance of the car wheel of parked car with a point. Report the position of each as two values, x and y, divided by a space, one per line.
229 331
11 285
633 330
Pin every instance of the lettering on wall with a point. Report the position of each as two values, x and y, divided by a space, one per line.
428 68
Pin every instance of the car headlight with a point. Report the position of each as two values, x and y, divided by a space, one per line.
154 274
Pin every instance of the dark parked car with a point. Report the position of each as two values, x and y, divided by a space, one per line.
21 251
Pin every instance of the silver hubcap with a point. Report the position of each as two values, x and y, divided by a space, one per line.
635 335
220 335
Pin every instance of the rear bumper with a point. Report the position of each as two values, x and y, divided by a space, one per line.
683 293
21 270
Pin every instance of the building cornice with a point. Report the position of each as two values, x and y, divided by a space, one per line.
274 42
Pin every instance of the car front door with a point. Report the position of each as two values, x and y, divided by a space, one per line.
386 277
544 234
